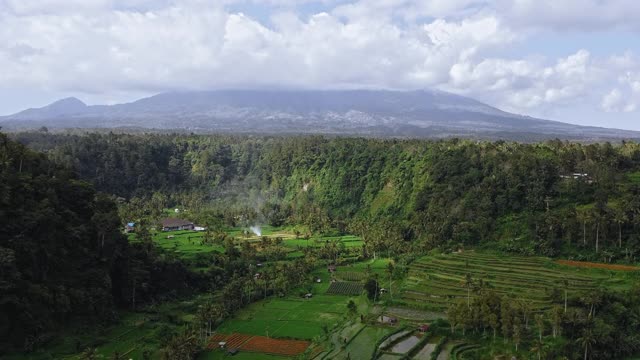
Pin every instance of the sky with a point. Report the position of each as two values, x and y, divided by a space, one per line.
575 61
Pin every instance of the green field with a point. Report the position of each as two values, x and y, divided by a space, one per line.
188 244
292 316
434 281
185 244
347 240
288 318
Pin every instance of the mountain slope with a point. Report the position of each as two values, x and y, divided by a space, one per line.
351 112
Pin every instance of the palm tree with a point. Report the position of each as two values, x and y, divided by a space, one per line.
587 341
538 348
468 283
526 308
583 216
516 336
565 282
494 323
556 316
390 272
597 217
620 218
89 354
592 300
452 315
540 325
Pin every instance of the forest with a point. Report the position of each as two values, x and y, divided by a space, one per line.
65 198
553 198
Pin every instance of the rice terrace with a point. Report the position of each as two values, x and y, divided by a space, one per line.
433 282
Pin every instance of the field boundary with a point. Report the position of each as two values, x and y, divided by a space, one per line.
592 265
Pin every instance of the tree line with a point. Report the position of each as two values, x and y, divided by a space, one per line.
596 325
552 198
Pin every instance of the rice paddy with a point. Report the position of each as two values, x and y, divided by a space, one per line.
434 282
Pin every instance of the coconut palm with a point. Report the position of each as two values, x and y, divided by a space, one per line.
539 318
587 340
538 348
468 283
583 216
88 354
517 332
390 269
620 218
565 282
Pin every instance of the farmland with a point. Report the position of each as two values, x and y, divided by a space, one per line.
590 265
189 245
290 317
184 244
345 288
434 281
260 344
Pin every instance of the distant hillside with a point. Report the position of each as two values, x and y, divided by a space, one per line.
417 114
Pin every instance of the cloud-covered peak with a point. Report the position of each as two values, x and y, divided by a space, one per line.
518 55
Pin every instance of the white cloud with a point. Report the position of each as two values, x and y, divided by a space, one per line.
613 101
626 97
587 15
106 47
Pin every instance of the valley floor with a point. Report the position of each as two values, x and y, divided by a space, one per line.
323 327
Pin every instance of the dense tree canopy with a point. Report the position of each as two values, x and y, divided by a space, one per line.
62 252
549 198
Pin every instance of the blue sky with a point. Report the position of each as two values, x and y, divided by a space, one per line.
575 61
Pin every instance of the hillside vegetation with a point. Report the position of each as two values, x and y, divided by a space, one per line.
549 199
337 247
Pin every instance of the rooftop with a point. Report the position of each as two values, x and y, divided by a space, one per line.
173 222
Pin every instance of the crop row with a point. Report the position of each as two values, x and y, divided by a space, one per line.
598 265
345 288
451 289
502 269
475 256
282 347
235 340
488 272
539 284
350 275
458 351
437 280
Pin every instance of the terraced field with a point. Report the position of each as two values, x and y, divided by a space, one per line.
437 280
345 288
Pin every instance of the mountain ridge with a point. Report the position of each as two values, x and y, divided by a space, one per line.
382 113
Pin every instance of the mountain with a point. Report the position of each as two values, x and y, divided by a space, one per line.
423 113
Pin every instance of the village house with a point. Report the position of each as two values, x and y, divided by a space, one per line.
130 227
578 176
173 224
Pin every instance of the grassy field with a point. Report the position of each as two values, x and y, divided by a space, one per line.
189 244
434 281
289 317
292 316
185 244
